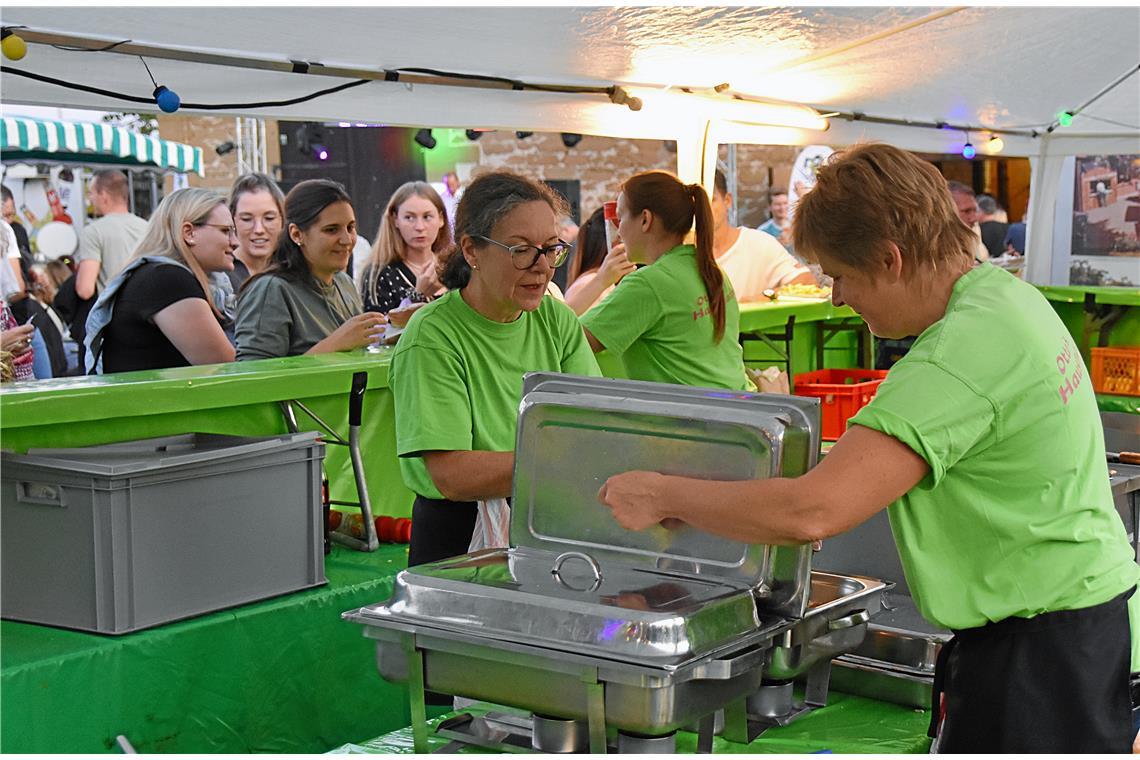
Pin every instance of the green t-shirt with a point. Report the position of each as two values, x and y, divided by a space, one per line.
457 377
1016 516
658 320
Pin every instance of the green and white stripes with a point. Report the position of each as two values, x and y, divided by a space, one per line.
95 141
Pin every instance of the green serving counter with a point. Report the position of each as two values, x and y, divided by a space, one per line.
282 675
847 725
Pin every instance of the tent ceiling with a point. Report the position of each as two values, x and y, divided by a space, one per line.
988 66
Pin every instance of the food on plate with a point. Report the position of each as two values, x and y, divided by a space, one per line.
801 290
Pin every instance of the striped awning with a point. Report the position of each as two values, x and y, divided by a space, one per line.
87 143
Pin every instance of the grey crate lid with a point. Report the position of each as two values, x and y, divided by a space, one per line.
154 454
574 433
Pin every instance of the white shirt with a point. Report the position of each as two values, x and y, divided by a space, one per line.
757 261
9 249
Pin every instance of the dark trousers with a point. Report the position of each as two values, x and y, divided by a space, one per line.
1057 682
440 529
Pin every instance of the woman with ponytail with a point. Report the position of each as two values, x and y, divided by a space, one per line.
675 320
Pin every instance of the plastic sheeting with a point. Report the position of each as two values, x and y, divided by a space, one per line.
283 675
847 725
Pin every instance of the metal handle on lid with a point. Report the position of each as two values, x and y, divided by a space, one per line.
849 621
556 570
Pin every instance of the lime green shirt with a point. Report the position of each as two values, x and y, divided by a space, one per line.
457 377
658 319
1016 516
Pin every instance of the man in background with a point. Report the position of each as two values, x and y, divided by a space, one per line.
109 242
754 261
777 226
451 195
992 225
22 243
967 205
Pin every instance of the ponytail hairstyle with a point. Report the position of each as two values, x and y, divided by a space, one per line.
678 206
303 205
590 250
484 203
163 234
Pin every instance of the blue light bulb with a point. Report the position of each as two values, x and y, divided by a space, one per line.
167 99
968 151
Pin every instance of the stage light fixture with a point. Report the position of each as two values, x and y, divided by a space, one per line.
425 140
523 135
227 147
473 134
570 139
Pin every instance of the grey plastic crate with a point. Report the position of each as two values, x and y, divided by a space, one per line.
126 536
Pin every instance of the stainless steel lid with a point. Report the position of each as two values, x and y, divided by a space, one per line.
532 596
574 433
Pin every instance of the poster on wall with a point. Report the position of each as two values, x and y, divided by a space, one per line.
1105 240
807 163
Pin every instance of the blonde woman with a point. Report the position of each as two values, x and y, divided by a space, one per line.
159 312
413 232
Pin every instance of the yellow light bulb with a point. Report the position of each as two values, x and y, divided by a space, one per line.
14 47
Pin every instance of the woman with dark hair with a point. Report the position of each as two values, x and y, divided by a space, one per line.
412 234
988 448
594 271
675 320
457 370
304 303
258 207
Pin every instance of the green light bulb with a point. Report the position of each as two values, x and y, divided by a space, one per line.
1065 118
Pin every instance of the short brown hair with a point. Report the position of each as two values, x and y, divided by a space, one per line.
872 194
111 182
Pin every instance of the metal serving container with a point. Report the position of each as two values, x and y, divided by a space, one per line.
643 632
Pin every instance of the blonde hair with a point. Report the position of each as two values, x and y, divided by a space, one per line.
163 236
873 194
389 245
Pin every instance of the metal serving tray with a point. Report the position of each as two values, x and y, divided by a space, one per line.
629 614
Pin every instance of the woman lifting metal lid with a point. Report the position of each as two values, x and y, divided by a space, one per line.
457 370
986 443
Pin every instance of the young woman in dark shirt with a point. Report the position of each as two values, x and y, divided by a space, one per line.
413 232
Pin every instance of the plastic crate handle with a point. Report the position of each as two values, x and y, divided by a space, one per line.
47 494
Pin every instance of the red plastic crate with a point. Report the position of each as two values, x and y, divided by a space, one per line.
841 392
1116 370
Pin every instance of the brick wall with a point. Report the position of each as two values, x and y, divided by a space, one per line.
208 132
601 163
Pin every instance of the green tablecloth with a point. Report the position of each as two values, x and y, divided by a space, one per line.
847 725
283 675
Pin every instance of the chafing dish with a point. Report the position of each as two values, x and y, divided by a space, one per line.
613 637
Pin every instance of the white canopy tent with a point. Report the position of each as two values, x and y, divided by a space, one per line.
890 74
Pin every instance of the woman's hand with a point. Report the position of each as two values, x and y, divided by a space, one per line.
18 340
428 284
357 332
634 498
615 265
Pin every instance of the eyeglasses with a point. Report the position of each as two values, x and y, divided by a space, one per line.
525 255
230 231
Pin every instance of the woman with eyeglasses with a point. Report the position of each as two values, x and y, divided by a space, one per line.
677 319
304 303
159 312
258 207
457 370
